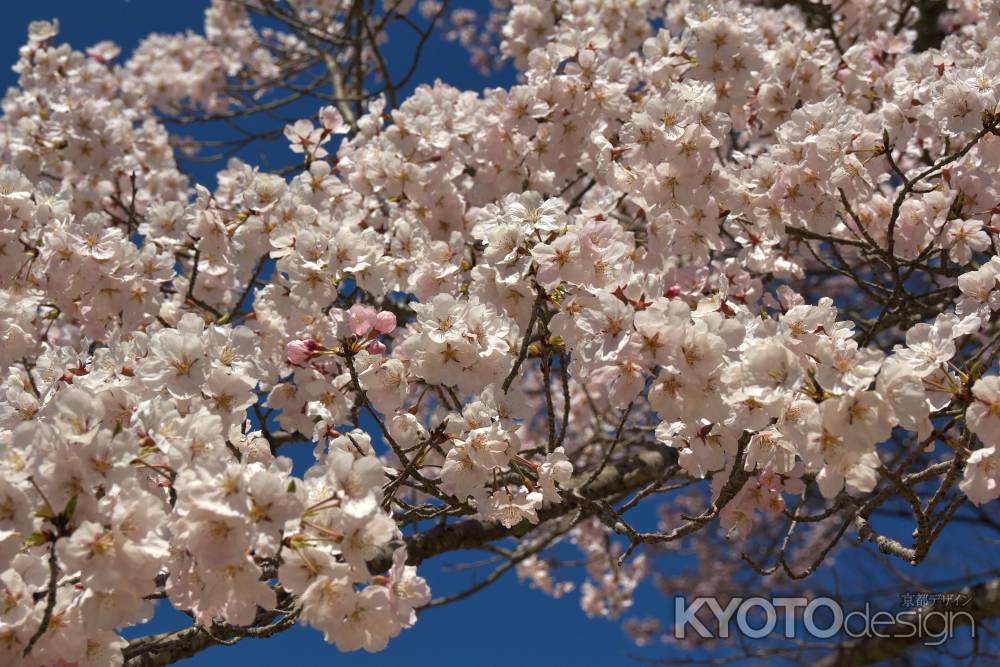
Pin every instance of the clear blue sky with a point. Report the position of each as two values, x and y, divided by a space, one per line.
505 624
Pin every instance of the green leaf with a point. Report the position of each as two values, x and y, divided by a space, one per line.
70 507
36 539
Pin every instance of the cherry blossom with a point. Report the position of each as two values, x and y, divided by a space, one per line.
733 261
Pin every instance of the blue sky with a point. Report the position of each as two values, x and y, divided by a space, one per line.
507 623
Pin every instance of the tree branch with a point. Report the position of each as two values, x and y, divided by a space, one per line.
984 602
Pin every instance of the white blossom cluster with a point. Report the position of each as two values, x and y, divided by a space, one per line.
482 278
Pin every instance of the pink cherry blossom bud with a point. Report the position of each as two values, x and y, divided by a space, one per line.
672 292
361 318
376 347
385 322
300 351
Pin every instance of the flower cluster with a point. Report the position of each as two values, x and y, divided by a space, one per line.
705 242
